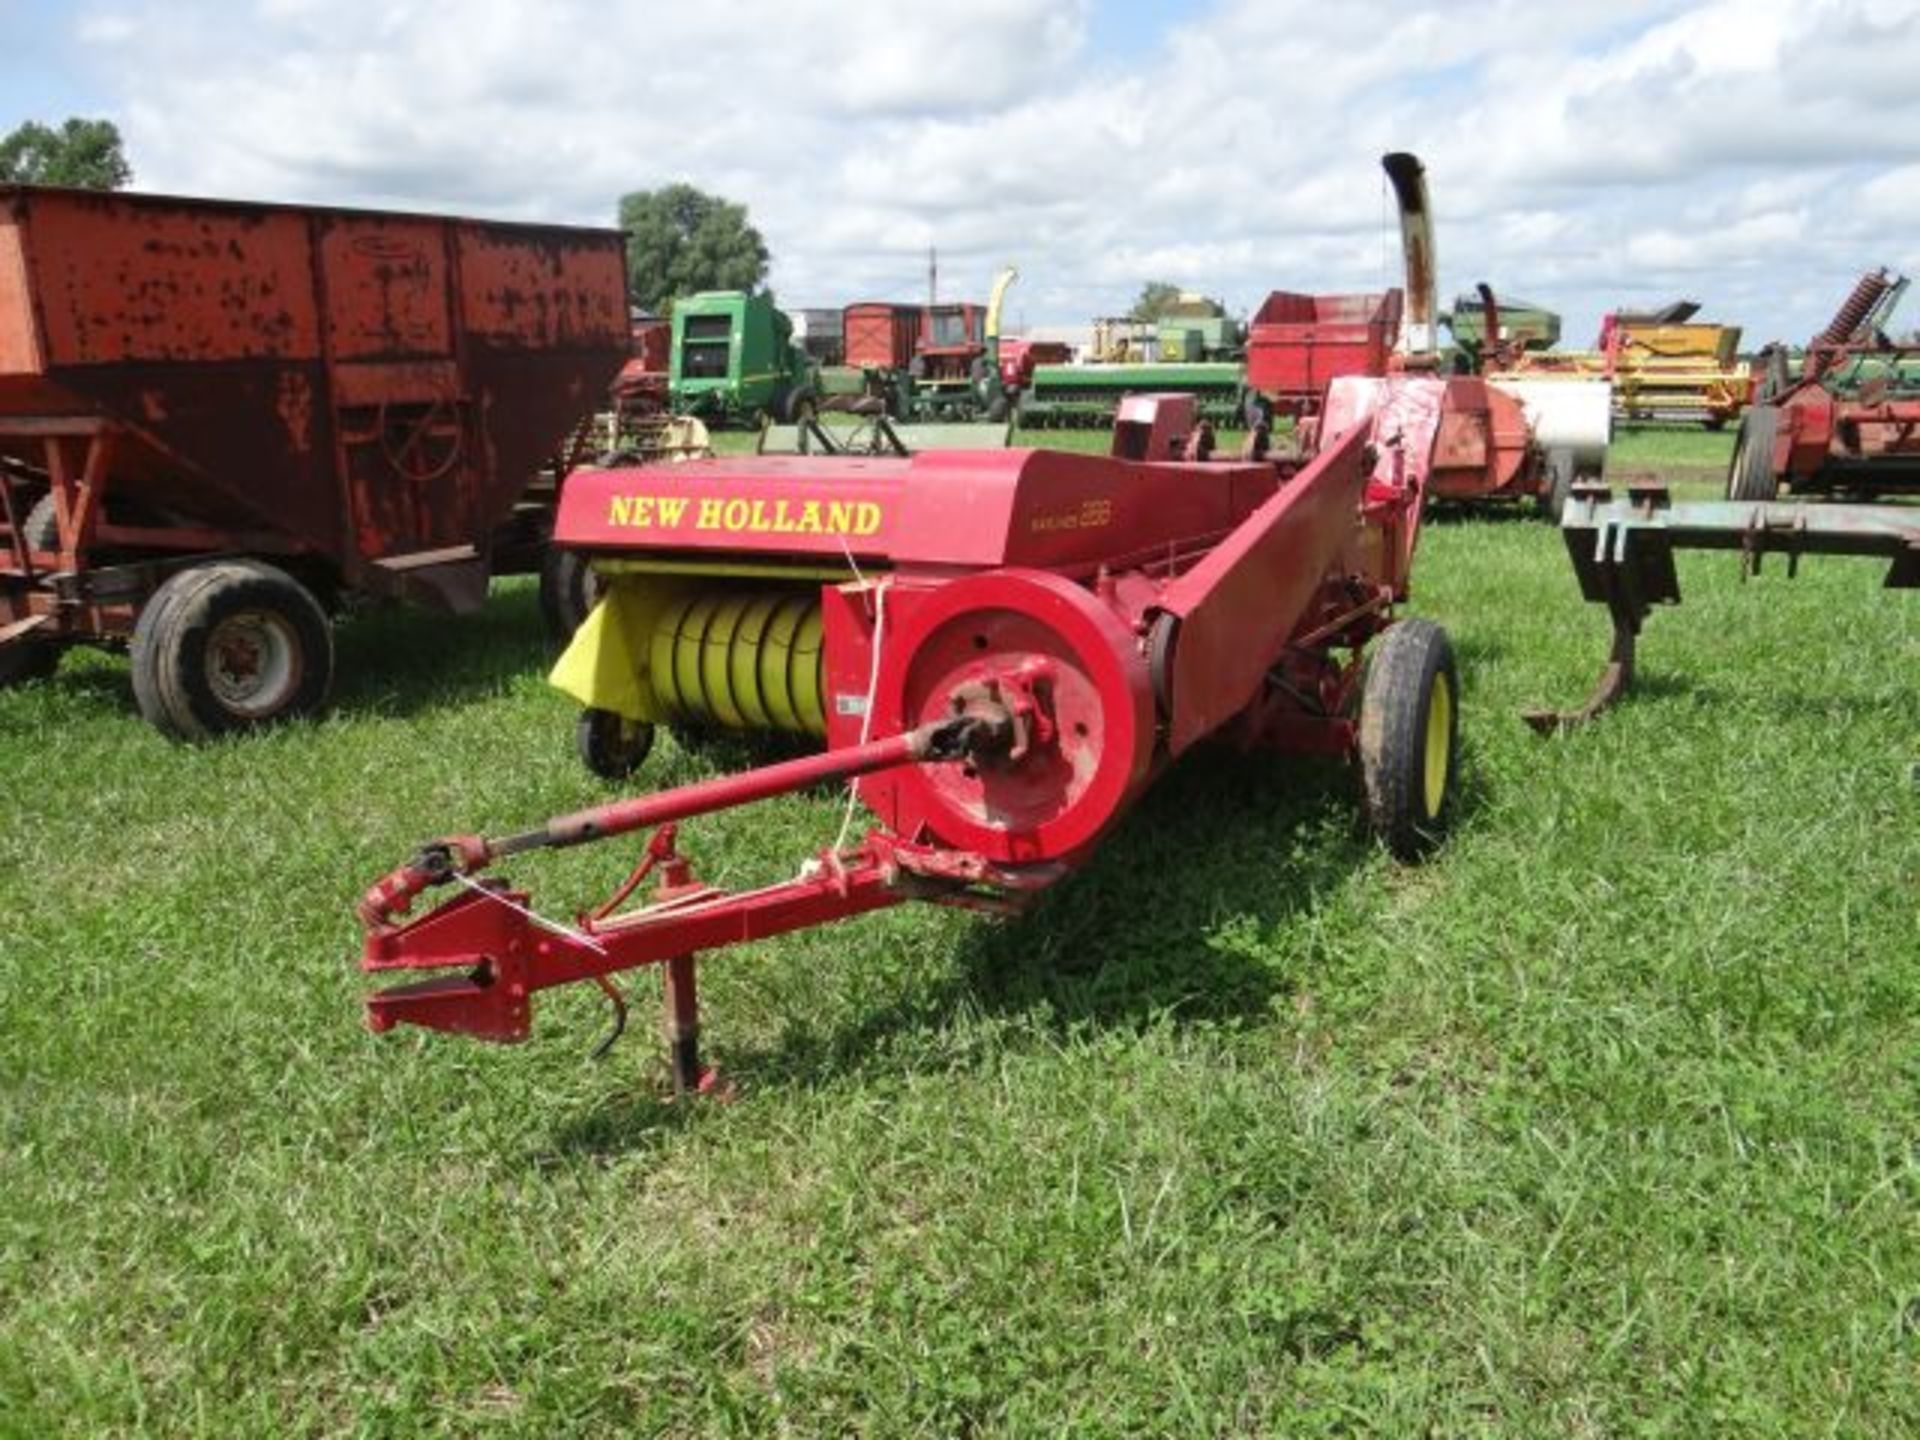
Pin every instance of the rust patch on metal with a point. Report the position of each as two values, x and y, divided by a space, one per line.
295 406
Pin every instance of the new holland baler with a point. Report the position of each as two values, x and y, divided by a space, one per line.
1001 650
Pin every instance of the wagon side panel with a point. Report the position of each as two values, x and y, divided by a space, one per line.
123 282
544 329
19 333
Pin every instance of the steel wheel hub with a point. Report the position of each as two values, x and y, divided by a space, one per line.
253 662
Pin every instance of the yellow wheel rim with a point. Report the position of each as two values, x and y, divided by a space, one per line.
1439 742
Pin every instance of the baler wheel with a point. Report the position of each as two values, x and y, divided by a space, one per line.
227 646
801 405
610 745
1750 475
1410 737
568 591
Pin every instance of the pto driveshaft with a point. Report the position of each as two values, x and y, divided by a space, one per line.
973 733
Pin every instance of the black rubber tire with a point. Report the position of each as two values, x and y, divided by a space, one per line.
1557 487
999 407
610 745
176 634
1405 673
1750 473
568 592
800 405
41 528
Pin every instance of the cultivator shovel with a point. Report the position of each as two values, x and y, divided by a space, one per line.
1622 550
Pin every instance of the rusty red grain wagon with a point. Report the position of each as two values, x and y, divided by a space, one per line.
1296 344
219 421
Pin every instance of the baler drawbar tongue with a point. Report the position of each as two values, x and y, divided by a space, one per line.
504 951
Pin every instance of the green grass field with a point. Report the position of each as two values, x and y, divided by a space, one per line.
1603 1122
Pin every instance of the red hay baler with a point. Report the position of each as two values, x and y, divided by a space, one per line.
1001 650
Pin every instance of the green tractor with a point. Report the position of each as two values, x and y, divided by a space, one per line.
735 362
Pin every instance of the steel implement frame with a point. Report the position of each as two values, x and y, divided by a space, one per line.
1622 552
504 952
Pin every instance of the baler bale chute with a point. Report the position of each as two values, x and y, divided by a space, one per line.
1849 422
1002 650
1622 551
220 421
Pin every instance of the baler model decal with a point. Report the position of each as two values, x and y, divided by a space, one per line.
1089 515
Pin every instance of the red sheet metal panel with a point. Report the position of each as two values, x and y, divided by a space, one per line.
119 279
387 286
1297 343
19 334
652 345
1239 604
1040 508
523 288
880 335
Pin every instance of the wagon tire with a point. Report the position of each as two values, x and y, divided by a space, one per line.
999 407
610 745
1750 473
227 646
41 528
1410 737
568 592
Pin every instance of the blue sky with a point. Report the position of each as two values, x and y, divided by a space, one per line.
1753 154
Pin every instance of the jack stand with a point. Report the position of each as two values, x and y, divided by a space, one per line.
682 1028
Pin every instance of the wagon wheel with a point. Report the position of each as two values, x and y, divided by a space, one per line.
425 447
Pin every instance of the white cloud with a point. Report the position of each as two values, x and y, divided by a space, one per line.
1754 154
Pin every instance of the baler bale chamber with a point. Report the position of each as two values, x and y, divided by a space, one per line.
219 421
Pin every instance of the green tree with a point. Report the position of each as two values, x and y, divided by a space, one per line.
680 240
81 152
1155 297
